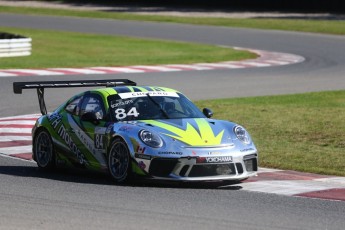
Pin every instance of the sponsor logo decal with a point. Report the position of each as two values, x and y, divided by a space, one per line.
55 120
223 159
93 146
214 153
170 153
144 94
121 103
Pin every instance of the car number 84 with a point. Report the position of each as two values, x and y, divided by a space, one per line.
121 113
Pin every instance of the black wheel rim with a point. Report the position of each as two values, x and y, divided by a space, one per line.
43 149
118 161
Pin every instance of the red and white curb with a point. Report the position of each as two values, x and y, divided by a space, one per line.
265 59
15 136
292 183
16 141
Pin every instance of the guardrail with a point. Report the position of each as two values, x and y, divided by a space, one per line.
13 45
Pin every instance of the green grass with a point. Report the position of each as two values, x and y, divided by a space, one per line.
67 49
314 26
303 132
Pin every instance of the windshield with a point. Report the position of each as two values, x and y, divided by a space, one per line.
151 105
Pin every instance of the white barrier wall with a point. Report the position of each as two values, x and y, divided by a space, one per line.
14 45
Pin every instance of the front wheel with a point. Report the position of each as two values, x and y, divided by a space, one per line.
43 150
119 163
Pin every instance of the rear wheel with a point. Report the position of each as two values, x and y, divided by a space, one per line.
43 150
119 163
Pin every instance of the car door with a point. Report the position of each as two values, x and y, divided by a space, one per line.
67 131
91 133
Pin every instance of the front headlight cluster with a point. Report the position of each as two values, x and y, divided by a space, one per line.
151 139
242 134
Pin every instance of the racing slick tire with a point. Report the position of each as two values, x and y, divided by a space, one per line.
43 150
119 163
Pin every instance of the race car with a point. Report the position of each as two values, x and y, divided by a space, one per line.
135 131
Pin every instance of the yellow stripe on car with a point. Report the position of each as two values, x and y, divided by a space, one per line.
204 137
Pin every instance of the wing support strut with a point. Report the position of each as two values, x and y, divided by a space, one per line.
40 94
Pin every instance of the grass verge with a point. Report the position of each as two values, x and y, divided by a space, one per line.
303 132
314 26
67 49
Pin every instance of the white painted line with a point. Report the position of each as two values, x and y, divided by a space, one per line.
16 150
333 180
156 68
191 67
15 138
35 72
256 64
277 62
15 130
221 65
27 116
17 122
83 71
120 69
4 74
265 170
287 187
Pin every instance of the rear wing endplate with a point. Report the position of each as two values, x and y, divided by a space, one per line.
41 85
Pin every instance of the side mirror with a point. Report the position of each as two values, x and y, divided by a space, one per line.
91 117
207 112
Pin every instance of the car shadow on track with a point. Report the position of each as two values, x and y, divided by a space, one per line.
87 177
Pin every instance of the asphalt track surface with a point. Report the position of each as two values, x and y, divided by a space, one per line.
31 199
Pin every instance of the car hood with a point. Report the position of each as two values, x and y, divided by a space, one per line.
192 131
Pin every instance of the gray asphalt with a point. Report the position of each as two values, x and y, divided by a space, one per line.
31 199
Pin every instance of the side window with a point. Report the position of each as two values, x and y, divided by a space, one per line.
73 106
93 103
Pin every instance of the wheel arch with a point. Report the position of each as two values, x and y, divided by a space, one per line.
34 136
124 139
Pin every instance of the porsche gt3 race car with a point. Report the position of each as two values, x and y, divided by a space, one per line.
130 131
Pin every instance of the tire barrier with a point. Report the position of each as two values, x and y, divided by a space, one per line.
13 45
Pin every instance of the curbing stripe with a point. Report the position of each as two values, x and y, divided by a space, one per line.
79 71
16 149
33 71
119 69
265 59
329 194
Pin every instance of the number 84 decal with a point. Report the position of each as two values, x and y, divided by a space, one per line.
99 138
121 113
99 141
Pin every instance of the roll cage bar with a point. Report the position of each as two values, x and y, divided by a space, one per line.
41 85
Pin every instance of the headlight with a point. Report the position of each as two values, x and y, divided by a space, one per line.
242 135
151 139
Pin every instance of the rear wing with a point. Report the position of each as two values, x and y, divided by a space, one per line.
41 85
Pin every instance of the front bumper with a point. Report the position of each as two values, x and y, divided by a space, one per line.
188 169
